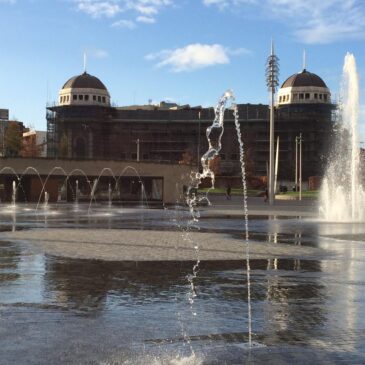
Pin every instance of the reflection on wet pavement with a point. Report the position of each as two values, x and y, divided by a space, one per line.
55 310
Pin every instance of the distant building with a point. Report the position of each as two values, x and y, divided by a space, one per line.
83 124
34 144
10 139
4 114
4 118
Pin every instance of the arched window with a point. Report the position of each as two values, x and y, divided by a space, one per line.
80 147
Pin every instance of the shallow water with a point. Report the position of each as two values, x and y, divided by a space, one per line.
56 310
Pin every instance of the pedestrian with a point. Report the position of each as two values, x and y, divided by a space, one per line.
228 192
266 195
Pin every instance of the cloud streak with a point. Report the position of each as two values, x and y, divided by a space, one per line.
98 9
194 56
140 11
311 21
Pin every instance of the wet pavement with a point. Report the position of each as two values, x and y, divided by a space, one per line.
57 310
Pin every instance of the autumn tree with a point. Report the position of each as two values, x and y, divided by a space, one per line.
214 164
13 139
186 158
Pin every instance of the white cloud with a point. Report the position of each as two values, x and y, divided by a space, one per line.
222 4
147 7
98 9
192 57
144 11
124 23
146 19
311 21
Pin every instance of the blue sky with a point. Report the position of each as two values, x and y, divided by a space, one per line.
187 51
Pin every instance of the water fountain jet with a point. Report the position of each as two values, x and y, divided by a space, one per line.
342 197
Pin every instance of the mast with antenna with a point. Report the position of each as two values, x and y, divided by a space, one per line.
304 60
85 60
272 81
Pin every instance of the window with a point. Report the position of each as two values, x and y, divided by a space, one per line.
103 99
134 156
68 97
279 99
81 97
301 96
325 97
315 96
145 156
320 96
99 98
307 96
86 97
234 156
295 96
94 97
287 98
61 99
75 97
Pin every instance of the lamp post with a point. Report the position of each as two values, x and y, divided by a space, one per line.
298 166
198 152
137 149
296 163
272 81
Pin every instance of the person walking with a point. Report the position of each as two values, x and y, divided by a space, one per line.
228 192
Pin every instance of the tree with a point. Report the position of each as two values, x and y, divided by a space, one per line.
186 158
13 139
214 164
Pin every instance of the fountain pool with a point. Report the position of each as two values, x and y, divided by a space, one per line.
58 308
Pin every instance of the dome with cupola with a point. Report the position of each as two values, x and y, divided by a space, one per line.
84 89
304 88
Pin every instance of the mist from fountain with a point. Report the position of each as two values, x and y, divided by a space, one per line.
342 197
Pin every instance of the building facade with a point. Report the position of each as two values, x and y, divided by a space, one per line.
84 125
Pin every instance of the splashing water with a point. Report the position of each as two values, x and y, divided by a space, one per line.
342 197
214 135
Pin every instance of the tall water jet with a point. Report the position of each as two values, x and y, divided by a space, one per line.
214 135
109 194
342 196
77 192
46 199
13 195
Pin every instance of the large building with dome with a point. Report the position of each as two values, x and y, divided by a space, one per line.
85 125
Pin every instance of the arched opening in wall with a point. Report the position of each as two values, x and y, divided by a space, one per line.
80 147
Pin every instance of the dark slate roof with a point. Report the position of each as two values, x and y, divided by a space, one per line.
304 78
84 81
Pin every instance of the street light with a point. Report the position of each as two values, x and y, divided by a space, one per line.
272 81
298 143
198 152
137 149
